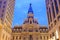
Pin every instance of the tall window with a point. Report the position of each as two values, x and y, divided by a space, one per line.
59 2
47 2
50 36
3 6
58 18
3 36
47 37
24 38
44 37
16 37
4 2
31 37
13 37
49 28
56 6
55 22
20 37
0 2
51 25
48 17
53 10
30 22
1 15
53 34
41 37
50 14
3 10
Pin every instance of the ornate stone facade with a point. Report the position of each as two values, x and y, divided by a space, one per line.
30 30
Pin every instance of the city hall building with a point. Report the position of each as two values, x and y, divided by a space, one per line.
30 29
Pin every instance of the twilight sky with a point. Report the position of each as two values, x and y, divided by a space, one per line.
21 9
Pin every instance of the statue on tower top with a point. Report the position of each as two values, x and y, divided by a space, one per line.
30 9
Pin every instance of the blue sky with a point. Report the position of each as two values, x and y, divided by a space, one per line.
21 11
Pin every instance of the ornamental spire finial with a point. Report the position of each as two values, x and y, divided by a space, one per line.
30 8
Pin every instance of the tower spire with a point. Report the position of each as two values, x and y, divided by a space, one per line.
30 12
30 9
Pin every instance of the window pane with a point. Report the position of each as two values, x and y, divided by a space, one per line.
53 10
59 2
56 6
0 2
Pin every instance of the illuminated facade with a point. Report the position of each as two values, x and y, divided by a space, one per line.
53 13
30 30
6 15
